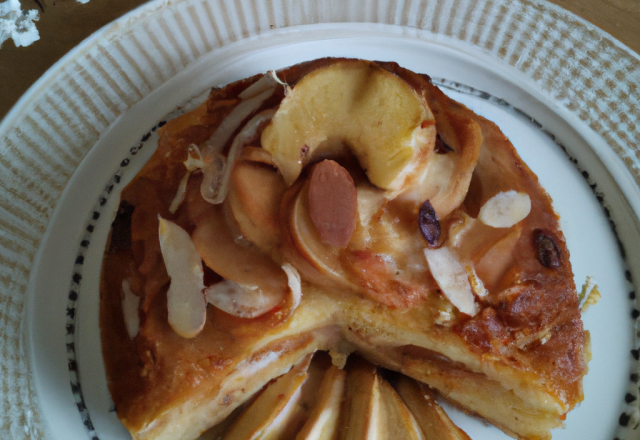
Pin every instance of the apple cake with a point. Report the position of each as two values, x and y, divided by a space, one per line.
339 206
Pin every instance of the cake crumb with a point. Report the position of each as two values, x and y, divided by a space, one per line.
338 359
589 295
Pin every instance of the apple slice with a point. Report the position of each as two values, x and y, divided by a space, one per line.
322 423
396 422
244 265
495 261
430 416
358 105
489 249
185 299
370 203
361 407
445 180
254 198
257 155
320 261
268 416
218 431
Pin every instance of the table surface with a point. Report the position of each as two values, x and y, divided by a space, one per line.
65 23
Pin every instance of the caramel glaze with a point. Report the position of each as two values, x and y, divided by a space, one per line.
158 368
529 298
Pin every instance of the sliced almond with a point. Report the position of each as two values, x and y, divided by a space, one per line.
215 186
476 283
295 285
452 278
495 261
185 299
238 300
130 303
505 209
216 171
265 83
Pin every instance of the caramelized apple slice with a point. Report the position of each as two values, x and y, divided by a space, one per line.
396 422
444 181
257 155
322 423
218 431
358 105
254 198
494 262
322 261
384 270
370 202
489 249
270 414
431 418
241 264
361 407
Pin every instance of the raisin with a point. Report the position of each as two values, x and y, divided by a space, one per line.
121 228
548 252
303 152
429 224
441 147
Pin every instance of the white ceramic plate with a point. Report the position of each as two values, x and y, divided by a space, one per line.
81 133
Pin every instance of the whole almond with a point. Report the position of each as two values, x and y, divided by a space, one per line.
332 203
